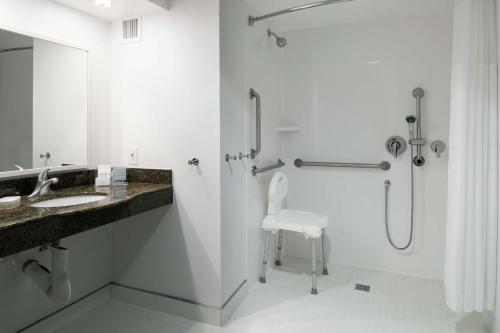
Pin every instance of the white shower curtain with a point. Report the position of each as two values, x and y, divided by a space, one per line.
473 182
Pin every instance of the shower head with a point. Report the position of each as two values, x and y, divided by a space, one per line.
411 119
280 41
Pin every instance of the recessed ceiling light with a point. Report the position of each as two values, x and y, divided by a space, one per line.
103 3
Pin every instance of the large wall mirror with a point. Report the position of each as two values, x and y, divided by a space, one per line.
43 103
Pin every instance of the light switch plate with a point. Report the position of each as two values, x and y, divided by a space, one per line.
133 154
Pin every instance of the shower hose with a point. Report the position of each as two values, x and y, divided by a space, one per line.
387 231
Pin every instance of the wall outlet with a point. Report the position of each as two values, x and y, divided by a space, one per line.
132 154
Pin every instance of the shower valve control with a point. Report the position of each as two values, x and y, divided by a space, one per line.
438 147
396 146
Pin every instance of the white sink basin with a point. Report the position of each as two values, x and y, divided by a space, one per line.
68 201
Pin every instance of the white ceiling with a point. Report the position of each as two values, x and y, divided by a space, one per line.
341 13
118 10
347 12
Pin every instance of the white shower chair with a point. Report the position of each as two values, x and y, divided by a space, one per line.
311 225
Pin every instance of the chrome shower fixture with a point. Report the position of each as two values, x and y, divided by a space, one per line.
280 41
253 19
416 137
410 119
396 146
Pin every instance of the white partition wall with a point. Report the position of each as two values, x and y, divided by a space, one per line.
249 59
165 100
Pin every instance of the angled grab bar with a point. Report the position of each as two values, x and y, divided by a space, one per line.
256 170
256 151
383 165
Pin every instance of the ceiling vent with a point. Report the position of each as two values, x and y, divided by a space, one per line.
131 30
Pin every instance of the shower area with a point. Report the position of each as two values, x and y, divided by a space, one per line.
355 107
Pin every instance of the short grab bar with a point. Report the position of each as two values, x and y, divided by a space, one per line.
256 170
383 165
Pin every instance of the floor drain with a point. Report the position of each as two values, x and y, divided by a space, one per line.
362 287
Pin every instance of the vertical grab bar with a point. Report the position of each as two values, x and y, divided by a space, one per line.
256 151
418 94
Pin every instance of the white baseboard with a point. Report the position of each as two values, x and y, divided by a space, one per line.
68 314
232 303
180 307
154 301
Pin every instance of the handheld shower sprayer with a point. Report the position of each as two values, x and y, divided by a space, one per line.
411 120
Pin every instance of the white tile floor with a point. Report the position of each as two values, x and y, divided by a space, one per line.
396 304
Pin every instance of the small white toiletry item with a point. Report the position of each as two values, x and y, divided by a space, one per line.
102 181
119 176
103 176
104 171
10 202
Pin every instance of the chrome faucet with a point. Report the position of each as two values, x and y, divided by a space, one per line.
43 184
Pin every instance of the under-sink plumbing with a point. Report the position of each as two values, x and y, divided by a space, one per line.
55 282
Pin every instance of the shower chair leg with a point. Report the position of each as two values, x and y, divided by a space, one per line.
280 246
262 278
323 238
314 289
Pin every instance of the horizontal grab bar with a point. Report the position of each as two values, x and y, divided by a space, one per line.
383 165
256 170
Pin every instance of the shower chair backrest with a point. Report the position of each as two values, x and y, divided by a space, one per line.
277 192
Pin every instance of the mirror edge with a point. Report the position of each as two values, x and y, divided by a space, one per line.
6 175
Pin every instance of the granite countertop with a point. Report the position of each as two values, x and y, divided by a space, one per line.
24 227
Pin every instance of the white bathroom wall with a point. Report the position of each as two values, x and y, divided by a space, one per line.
349 88
234 101
90 259
249 59
16 109
165 100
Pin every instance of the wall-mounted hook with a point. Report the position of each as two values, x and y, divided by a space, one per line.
438 147
194 161
229 157
46 155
